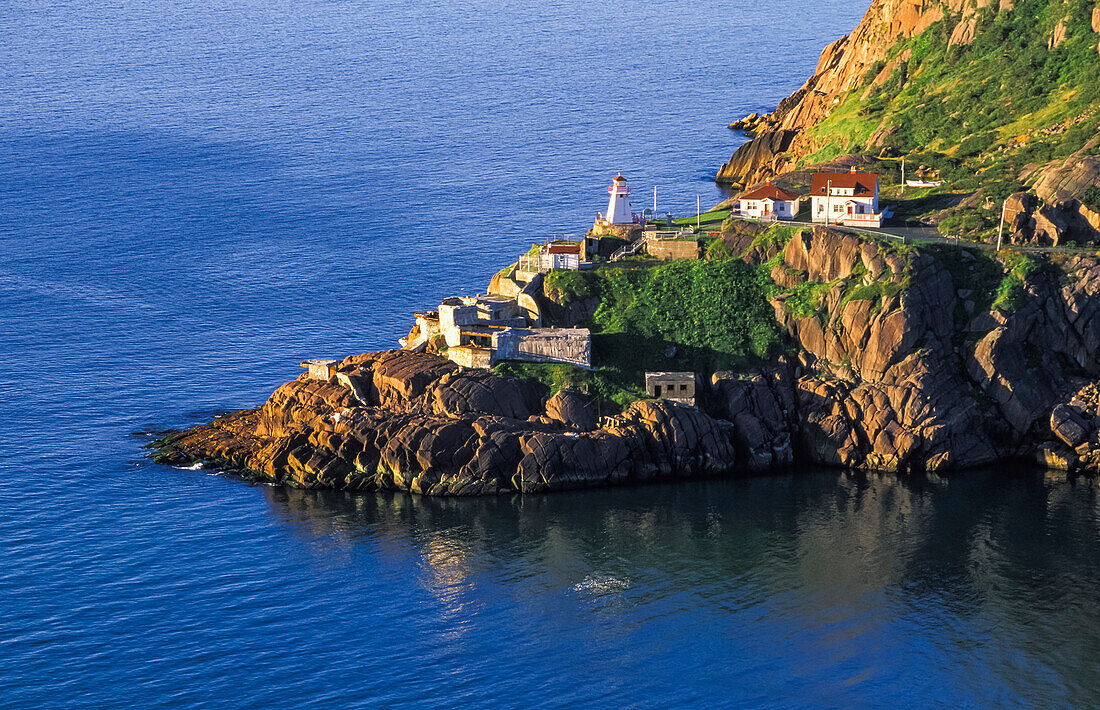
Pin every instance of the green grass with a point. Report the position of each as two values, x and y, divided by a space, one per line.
710 315
1010 293
709 220
613 396
806 298
844 132
566 286
980 113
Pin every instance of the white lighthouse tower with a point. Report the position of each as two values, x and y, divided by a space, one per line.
618 207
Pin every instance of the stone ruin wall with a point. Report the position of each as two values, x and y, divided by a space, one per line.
573 345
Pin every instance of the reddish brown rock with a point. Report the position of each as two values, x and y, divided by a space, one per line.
429 428
885 379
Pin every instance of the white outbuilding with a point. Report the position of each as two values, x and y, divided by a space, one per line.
770 202
560 256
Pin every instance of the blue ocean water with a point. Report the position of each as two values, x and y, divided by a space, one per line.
195 196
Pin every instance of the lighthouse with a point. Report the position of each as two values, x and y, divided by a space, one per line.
618 207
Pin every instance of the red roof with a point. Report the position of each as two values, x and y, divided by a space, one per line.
620 178
564 249
770 192
862 183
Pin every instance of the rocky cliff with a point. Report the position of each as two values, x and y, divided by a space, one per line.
780 136
901 359
936 359
992 97
413 421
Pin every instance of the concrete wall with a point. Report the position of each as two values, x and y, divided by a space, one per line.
567 345
601 246
677 386
469 356
678 249
429 328
321 370
456 313
453 314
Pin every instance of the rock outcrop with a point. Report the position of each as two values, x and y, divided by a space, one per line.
412 421
762 157
897 368
894 380
780 137
862 62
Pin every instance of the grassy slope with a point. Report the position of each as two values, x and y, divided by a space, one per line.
676 315
717 315
978 114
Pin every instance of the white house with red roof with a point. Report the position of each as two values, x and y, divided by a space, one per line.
770 202
849 198
560 256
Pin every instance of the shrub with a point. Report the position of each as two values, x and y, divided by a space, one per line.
1091 198
805 299
1010 292
566 286
717 306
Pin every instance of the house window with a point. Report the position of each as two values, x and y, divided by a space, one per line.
683 388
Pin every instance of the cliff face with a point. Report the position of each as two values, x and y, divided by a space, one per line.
842 68
906 360
909 371
412 421
992 97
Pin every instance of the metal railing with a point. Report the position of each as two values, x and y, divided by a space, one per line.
530 264
629 249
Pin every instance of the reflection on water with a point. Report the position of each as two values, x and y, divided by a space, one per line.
821 587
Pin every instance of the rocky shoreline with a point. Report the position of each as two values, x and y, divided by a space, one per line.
900 366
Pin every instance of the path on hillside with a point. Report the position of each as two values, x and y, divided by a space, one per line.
916 233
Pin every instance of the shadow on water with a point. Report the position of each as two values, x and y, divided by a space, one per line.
985 574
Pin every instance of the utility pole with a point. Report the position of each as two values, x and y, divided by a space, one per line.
654 202
698 213
903 175
1001 227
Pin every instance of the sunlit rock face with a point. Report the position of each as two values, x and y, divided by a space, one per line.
413 421
897 369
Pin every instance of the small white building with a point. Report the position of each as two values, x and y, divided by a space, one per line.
770 202
677 386
560 256
321 369
849 198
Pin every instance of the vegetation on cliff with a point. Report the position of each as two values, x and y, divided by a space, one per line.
696 316
990 97
978 113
